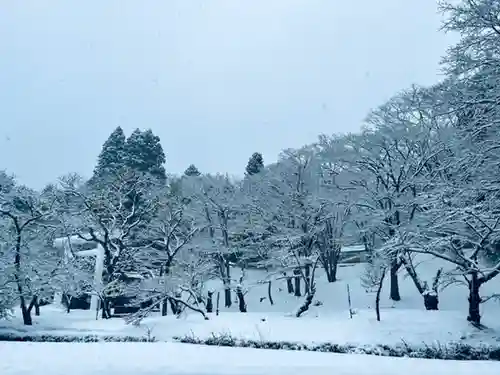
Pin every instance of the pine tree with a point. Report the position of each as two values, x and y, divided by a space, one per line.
144 153
192 171
255 164
111 158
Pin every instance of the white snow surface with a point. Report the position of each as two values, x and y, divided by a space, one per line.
398 325
177 359
405 320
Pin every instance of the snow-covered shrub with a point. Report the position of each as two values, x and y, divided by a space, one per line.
449 351
69 338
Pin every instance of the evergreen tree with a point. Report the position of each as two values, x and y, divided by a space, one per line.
111 158
144 153
255 164
192 171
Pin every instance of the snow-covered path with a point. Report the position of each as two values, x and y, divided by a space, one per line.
176 359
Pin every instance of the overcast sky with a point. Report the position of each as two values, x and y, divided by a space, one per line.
216 79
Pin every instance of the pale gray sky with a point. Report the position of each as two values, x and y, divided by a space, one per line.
215 79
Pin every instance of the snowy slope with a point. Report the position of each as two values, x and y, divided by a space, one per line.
334 295
406 320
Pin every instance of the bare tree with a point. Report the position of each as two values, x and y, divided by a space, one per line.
76 280
26 216
220 203
304 224
465 235
110 215
181 287
459 214
330 240
387 164
170 231
373 278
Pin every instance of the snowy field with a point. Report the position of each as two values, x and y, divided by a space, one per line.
406 320
176 359
329 323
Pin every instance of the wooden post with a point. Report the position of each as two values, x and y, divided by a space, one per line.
217 309
98 307
349 301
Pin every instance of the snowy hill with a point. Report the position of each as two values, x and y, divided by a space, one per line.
327 321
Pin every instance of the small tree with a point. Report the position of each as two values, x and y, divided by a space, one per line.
219 201
144 154
25 216
112 156
310 286
182 287
192 171
109 215
329 240
170 232
373 278
255 164
75 281
8 295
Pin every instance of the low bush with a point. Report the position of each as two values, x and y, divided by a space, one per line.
449 351
68 338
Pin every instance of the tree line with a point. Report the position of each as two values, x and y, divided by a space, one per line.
419 179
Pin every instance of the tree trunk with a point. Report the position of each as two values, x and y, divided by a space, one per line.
37 306
377 298
331 275
474 300
413 274
227 284
17 262
431 301
67 300
106 308
173 306
394 295
269 293
27 320
241 300
289 285
330 264
307 303
307 271
210 304
227 297
297 276
164 307
164 271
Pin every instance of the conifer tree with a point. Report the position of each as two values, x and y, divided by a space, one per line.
255 164
112 156
144 153
192 171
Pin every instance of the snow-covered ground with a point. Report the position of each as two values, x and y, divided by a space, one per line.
330 322
176 359
398 325
406 320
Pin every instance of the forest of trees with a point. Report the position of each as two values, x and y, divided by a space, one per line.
421 177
